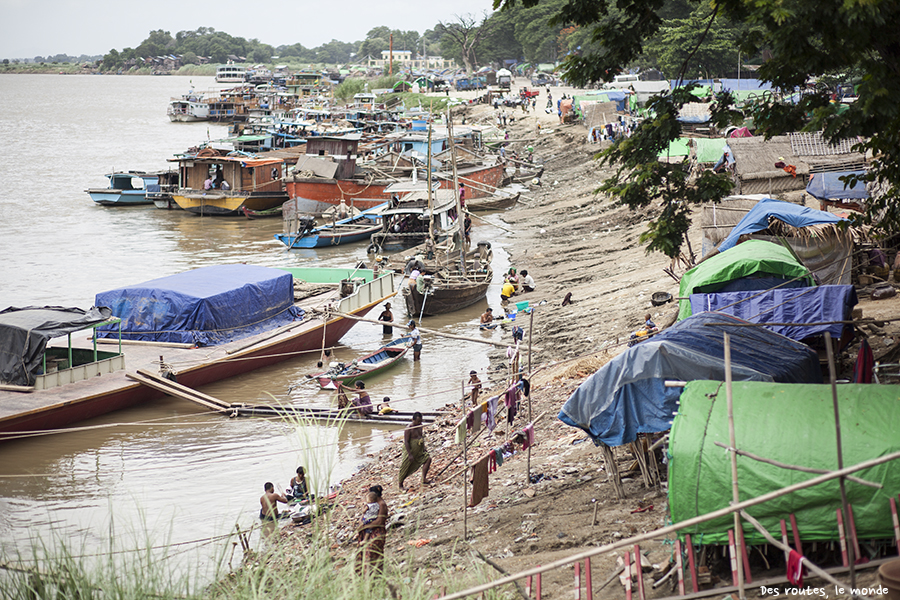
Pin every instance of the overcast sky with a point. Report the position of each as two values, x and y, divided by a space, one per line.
47 27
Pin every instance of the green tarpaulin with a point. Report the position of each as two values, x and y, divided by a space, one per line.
756 258
793 424
677 147
709 150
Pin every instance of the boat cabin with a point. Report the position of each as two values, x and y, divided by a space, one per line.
242 173
29 363
342 150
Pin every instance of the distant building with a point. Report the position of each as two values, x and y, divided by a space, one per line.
405 59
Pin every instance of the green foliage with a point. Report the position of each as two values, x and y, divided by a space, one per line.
801 38
349 88
675 42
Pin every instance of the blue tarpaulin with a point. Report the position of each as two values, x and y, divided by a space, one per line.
628 396
619 97
206 306
825 303
828 186
791 214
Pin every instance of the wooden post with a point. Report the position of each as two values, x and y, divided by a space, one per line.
852 531
679 567
612 471
784 539
735 496
627 575
528 586
845 505
465 476
692 564
745 557
530 329
538 586
843 538
578 581
587 578
735 563
797 545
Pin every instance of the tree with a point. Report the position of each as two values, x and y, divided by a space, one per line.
804 38
466 34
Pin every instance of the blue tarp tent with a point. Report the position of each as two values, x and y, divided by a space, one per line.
828 186
822 304
628 395
791 214
206 306
619 97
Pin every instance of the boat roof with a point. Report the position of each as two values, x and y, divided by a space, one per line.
420 185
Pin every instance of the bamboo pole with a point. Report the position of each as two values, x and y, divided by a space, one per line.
735 496
664 531
776 463
465 469
845 507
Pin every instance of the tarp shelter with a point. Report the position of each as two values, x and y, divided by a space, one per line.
790 214
628 396
709 150
793 424
753 265
24 333
677 147
206 306
619 97
828 186
822 305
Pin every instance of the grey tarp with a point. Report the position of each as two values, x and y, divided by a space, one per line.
24 333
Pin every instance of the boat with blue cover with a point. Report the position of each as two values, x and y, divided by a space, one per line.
126 188
362 368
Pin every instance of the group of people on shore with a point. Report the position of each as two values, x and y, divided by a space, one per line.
515 283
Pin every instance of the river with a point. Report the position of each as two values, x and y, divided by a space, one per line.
165 473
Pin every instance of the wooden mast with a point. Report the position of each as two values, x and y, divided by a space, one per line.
430 204
460 219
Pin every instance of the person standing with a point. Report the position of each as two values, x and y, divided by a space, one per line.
475 382
415 456
416 340
371 537
388 317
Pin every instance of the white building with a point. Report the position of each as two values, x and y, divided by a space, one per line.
405 60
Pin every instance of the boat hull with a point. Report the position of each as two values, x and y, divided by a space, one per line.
444 299
492 203
325 240
107 197
219 204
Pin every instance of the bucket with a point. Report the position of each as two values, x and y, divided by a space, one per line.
521 305
889 577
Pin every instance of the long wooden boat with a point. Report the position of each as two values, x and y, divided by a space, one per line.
81 394
365 366
343 231
350 415
261 214
498 201
443 287
226 203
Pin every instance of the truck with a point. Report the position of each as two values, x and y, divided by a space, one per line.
504 79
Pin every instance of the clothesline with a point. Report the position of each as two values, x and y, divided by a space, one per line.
472 419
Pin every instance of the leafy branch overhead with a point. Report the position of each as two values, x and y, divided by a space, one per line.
796 41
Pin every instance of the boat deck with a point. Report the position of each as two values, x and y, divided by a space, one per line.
64 405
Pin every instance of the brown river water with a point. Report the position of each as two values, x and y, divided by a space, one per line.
166 473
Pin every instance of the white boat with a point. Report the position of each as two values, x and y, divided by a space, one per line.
190 107
231 73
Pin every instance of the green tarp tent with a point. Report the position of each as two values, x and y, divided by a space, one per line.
677 147
751 259
793 424
709 150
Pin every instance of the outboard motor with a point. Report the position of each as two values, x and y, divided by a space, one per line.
305 224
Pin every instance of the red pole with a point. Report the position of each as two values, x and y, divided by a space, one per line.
784 540
853 537
745 556
528 586
587 578
538 585
797 546
843 538
679 566
733 552
692 564
578 580
896 525
639 563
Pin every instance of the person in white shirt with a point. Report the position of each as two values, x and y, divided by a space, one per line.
527 281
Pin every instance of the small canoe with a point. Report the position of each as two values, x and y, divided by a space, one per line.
361 368
399 418
261 214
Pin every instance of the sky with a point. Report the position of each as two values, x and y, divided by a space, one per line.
47 27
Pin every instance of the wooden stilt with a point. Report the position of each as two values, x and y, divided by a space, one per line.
745 556
692 564
612 471
843 537
679 566
639 565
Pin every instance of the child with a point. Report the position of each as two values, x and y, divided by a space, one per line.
385 408
476 387
371 512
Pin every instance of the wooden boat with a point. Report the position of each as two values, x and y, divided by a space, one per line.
366 366
252 182
261 214
499 201
349 415
443 286
405 222
343 231
71 400
126 188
